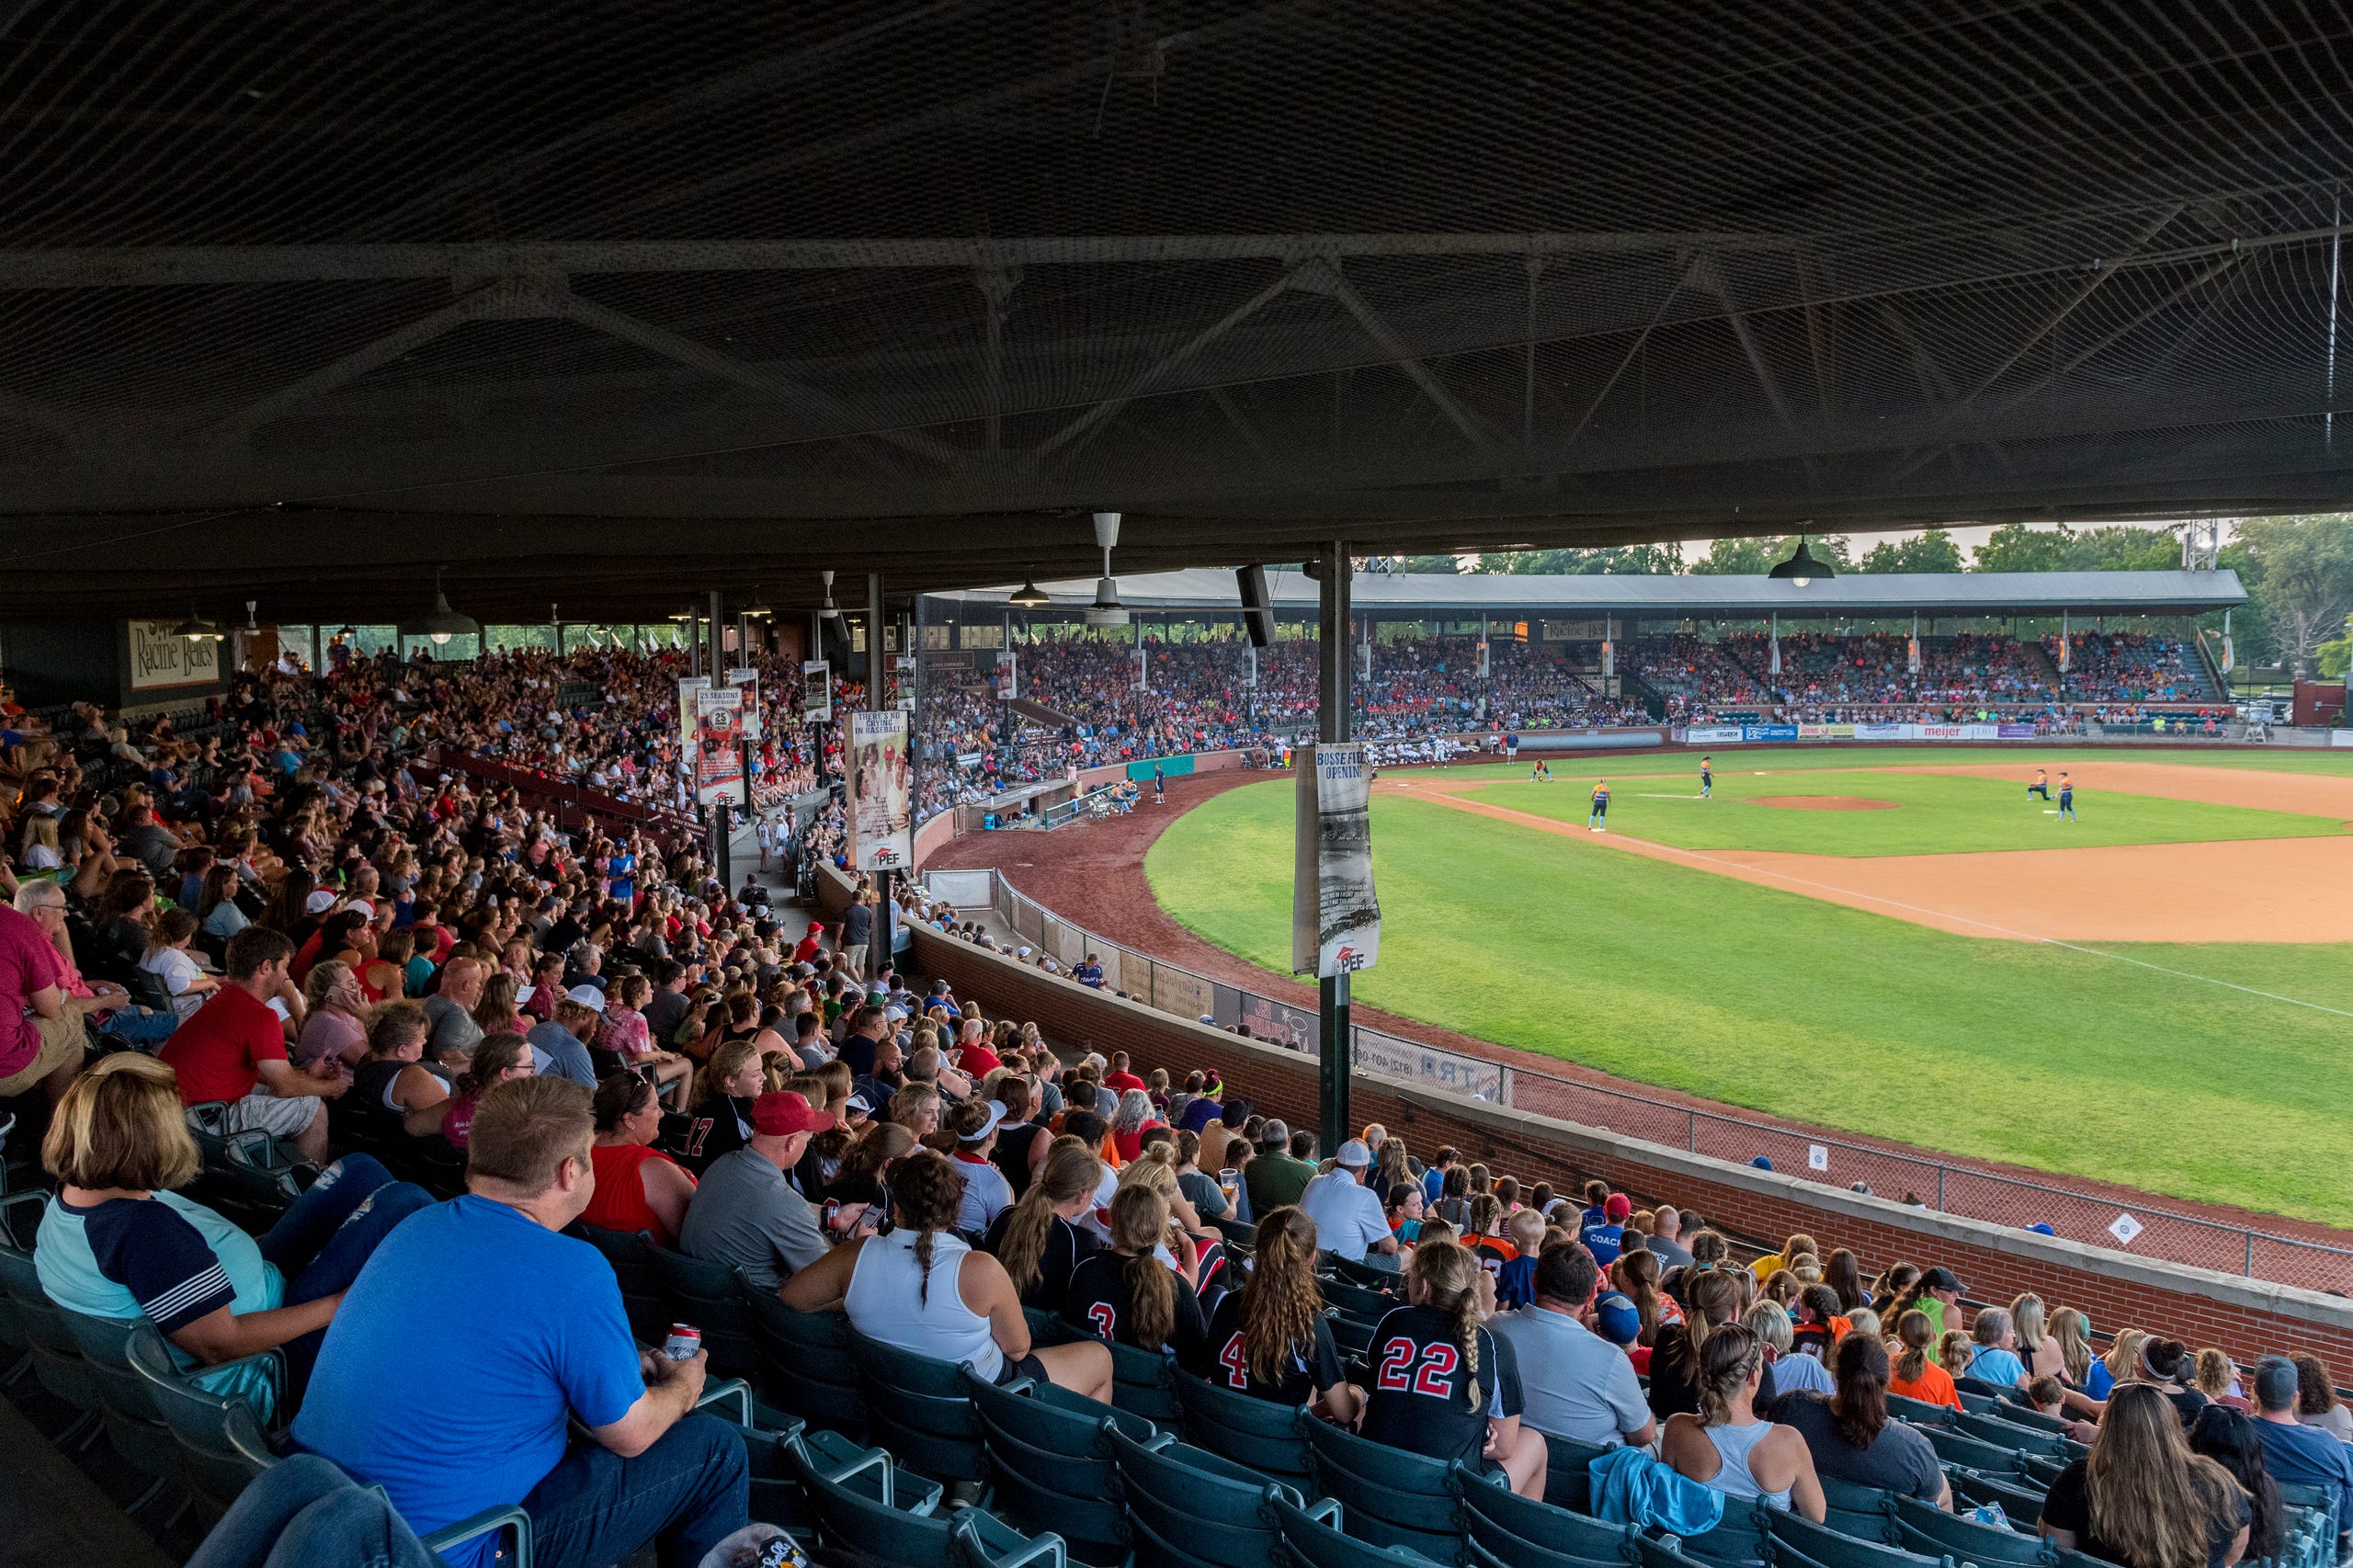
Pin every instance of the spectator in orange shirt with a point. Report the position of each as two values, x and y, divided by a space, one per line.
1916 1377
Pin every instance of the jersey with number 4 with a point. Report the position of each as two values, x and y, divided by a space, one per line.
1100 1303
1420 1398
1300 1373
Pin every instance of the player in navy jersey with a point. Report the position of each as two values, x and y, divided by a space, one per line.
1127 1295
1443 1385
1269 1339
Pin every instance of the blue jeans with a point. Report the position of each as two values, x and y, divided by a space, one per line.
688 1492
327 1235
304 1511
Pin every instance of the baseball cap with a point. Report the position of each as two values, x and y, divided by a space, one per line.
1354 1154
363 906
318 902
1940 1278
1616 1206
858 1103
2275 1383
996 1114
894 1012
588 997
780 1113
1617 1318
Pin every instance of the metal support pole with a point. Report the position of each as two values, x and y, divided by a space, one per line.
879 954
718 655
318 649
1334 1056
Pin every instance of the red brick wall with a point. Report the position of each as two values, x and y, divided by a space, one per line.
2244 1317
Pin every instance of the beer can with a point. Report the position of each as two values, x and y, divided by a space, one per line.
683 1343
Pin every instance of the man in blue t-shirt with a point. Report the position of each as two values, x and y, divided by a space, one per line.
2298 1454
453 1364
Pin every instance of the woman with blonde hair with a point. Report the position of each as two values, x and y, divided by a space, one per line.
2073 1331
2141 1498
117 1242
1727 1445
722 1111
334 1016
2037 1346
1440 1388
2120 1364
1043 1238
1127 1295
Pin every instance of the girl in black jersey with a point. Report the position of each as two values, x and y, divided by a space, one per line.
1020 1141
1442 1384
1269 1338
1042 1239
1127 1295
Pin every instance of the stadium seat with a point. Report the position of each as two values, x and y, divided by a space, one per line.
1358 1302
1523 1533
1388 1496
57 1359
1140 1385
1741 1537
1314 1544
1366 1275
1974 1403
1867 1512
1239 1235
2321 1500
1053 1468
126 1406
2019 1498
1214 1508
2010 1434
1980 1387
1568 1476
1919 1412
1801 1543
871 1520
1926 1529
1351 1335
804 1364
633 1256
710 1297
2027 1415
221 1446
2038 1471
1258 1433
917 1407
1956 1448
982 1542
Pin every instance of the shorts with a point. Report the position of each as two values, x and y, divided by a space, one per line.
56 1043
853 958
1027 1367
286 1118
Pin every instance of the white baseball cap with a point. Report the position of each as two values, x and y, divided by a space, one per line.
318 902
1354 1154
588 997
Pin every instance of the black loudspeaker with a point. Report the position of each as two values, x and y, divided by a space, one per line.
1257 610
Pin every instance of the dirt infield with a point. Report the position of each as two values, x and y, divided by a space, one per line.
2308 794
1093 873
1823 802
2280 889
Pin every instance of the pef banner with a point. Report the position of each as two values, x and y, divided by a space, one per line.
816 692
690 715
881 824
747 681
1336 915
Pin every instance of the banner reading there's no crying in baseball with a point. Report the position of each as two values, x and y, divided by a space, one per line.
881 821
1336 915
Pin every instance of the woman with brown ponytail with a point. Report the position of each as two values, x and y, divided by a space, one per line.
1712 1298
921 1289
1129 1295
1726 1444
1042 1239
1269 1339
1442 1384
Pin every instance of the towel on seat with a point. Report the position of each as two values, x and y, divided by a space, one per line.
1631 1488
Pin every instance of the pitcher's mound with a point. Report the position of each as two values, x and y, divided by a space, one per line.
1823 802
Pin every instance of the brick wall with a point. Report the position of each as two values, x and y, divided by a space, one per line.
2245 1317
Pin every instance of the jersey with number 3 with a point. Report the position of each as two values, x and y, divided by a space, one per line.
1101 1304
1420 1397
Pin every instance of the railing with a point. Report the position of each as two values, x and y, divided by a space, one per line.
1934 1184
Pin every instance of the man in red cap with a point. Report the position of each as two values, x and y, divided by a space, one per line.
1605 1240
747 1214
807 951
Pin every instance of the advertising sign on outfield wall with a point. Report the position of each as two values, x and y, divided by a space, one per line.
1394 1058
1712 735
1769 732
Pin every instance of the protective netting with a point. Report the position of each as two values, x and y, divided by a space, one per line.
1475 274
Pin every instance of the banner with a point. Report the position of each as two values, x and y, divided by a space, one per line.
747 681
1142 683
1335 916
817 692
1713 734
719 747
1887 732
2014 731
688 714
882 826
1391 1057
1768 732
161 657
1007 682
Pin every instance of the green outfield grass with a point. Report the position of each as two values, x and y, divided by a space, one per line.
1932 813
2064 1060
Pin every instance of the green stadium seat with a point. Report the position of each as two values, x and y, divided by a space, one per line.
1801 1543
804 1364
917 1407
708 1296
1358 1302
982 1542
1918 1412
1216 1508
1055 1468
2011 1434
1258 1433
869 1518
1389 1496
1568 1476
2021 1499
1239 1235
1926 1529
2027 1415
1867 1512
1314 1544
1516 1529
1740 1538
1140 1385
1956 1448
635 1263
126 1407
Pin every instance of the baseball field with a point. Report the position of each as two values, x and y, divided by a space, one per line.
1898 943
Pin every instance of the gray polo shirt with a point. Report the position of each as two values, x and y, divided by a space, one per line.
747 1215
454 1028
1574 1382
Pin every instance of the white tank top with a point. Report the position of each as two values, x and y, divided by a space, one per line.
887 1300
1733 1446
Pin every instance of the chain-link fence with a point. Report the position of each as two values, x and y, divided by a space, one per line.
1887 1172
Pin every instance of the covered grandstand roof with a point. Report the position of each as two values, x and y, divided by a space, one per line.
611 303
1731 599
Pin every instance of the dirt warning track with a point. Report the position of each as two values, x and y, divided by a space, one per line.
2283 890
